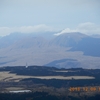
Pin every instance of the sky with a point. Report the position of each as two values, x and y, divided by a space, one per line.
27 16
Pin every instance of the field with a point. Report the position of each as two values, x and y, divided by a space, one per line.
41 76
6 76
50 82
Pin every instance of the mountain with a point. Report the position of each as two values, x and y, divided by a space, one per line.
66 50
68 39
47 35
89 46
66 63
10 39
95 36
30 42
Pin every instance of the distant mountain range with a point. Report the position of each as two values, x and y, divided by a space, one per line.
65 50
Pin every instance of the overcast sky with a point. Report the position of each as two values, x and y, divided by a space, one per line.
28 16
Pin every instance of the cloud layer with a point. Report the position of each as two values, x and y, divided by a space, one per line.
86 28
25 29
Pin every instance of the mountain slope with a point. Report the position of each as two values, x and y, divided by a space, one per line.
8 40
90 46
66 63
30 42
79 42
68 39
